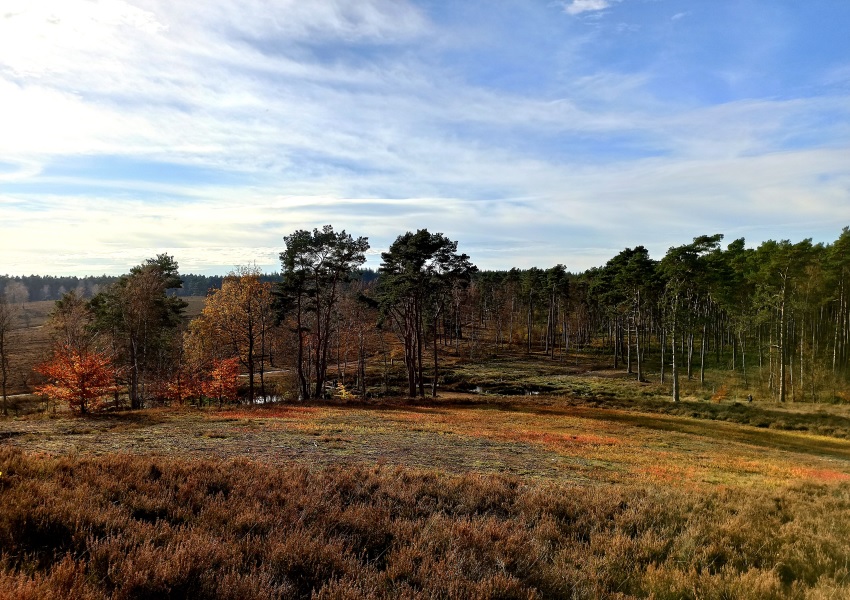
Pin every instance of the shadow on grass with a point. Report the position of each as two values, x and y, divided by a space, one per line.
144 418
761 416
791 441
797 440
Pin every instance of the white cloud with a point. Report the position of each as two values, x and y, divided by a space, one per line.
374 21
571 215
577 7
377 143
42 37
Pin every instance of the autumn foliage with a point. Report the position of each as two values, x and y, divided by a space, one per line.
236 322
83 379
223 382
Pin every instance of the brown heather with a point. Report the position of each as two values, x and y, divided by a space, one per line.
122 526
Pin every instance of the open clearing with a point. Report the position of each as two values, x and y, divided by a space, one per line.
468 496
546 438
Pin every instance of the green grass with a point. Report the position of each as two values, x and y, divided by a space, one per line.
597 385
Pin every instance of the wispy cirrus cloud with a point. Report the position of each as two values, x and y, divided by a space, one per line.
132 125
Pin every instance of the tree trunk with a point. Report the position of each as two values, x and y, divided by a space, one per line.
250 368
675 364
802 357
410 363
814 349
436 366
5 329
304 390
782 338
4 373
637 351
263 362
134 377
616 343
361 362
419 336
511 325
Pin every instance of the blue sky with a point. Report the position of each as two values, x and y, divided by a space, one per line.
533 132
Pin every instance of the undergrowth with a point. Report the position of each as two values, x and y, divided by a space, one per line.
156 527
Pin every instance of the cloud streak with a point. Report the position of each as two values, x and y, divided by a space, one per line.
131 127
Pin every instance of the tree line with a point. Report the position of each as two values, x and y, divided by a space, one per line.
33 288
776 317
26 288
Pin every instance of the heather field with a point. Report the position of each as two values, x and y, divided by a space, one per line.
527 477
468 496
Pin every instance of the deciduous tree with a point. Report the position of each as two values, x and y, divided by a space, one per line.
141 319
237 318
223 381
82 379
70 322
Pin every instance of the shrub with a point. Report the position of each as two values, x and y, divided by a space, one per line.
128 527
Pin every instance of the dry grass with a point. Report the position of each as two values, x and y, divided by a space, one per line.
458 499
544 438
588 382
463 498
594 487
157 527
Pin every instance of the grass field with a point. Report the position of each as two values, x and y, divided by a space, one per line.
467 496
526 478
548 439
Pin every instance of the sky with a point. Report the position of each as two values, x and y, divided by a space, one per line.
533 132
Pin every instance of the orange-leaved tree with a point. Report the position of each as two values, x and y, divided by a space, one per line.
224 380
83 379
198 358
237 320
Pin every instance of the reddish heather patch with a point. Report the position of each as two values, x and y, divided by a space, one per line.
283 412
552 441
658 473
563 439
820 474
